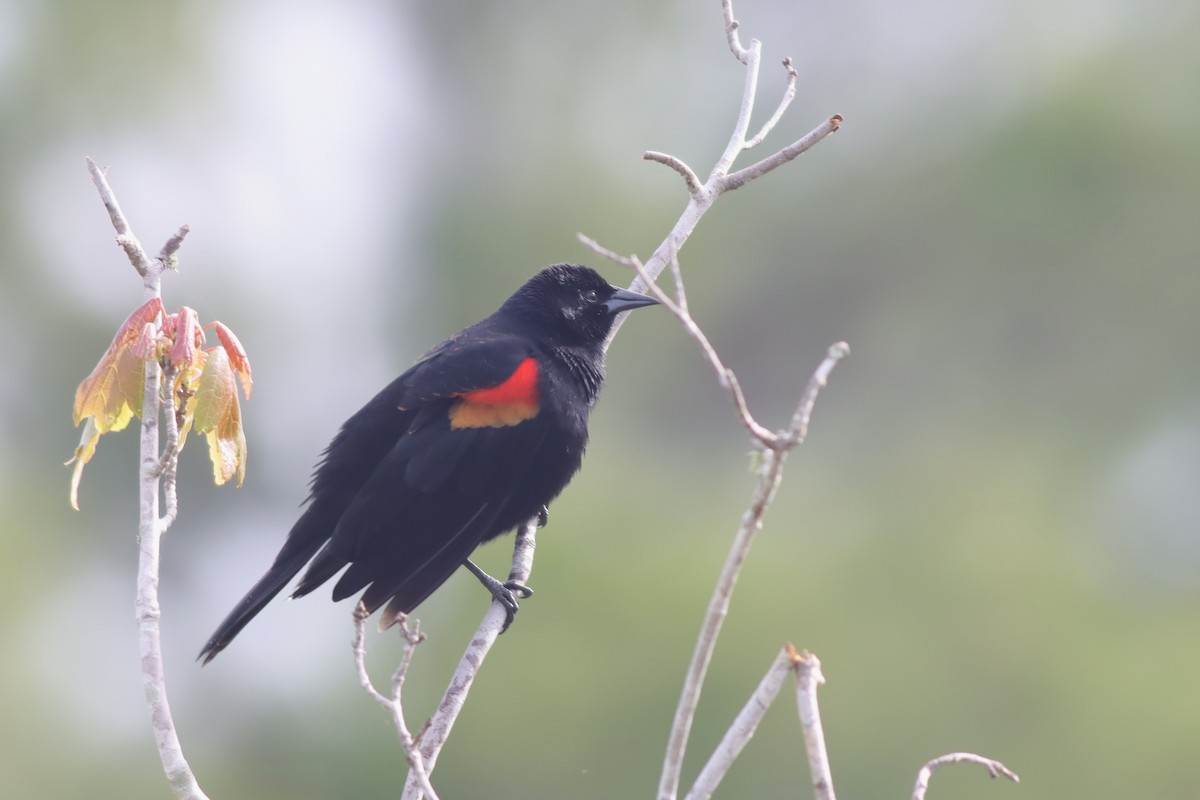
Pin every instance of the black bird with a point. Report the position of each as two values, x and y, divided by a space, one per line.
474 439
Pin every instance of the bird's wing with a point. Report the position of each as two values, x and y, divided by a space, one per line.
474 359
447 478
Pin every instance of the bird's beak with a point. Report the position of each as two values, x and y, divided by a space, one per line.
625 300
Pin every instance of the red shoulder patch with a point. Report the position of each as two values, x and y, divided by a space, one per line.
514 400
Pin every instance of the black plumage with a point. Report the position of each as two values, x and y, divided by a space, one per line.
474 439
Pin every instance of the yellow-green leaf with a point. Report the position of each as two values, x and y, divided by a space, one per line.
111 395
219 417
115 386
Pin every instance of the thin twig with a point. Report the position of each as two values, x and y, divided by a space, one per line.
125 238
394 704
731 32
737 139
743 176
769 476
677 306
166 256
808 678
604 252
789 94
437 731
797 431
770 472
693 183
743 727
994 768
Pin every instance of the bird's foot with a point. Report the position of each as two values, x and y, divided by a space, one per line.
506 594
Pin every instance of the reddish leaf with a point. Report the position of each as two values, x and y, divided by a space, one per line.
102 393
189 336
204 387
237 356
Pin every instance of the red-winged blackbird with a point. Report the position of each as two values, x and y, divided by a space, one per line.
474 439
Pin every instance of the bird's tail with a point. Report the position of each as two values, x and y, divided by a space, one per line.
287 564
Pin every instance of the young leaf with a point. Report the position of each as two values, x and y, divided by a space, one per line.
219 417
184 327
111 395
108 389
237 356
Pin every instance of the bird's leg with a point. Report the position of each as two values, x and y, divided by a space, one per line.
506 593
543 516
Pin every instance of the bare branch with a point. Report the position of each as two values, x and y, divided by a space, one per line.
700 199
740 178
438 729
393 705
125 238
678 308
808 678
789 94
798 430
166 256
731 32
604 252
677 164
743 727
769 474
737 139
994 768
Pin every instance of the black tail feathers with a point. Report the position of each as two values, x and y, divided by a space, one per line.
282 571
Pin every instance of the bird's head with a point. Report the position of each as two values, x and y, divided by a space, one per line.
574 303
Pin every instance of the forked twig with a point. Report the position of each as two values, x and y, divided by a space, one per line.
394 704
437 731
701 197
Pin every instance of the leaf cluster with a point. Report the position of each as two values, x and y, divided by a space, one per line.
200 385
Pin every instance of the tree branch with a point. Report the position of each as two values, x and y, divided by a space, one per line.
770 473
678 308
437 731
743 727
150 527
731 32
808 678
166 256
721 180
125 238
393 705
789 94
700 199
693 183
802 145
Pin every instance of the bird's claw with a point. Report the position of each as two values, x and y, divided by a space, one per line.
507 594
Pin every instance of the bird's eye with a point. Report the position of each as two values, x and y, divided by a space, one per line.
590 296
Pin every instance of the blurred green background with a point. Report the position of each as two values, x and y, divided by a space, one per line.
992 537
